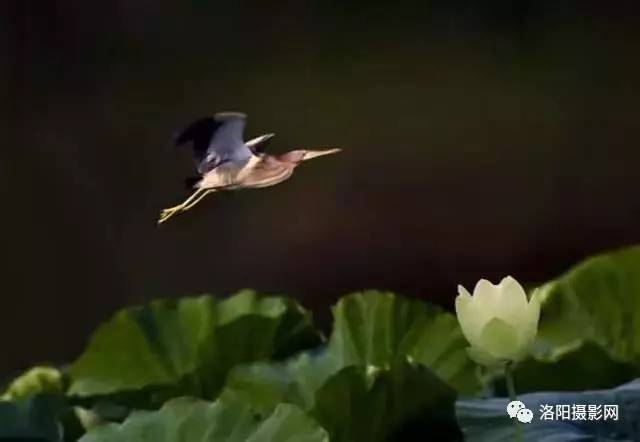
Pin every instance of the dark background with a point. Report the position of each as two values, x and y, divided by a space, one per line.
481 138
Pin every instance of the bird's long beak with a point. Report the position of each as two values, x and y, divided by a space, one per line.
309 154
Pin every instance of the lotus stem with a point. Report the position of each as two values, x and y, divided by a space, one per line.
511 389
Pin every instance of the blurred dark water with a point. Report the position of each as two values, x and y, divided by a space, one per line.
480 139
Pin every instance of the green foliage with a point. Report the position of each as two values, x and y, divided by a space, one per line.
186 347
388 361
589 324
33 418
487 421
598 300
190 420
355 402
374 329
33 381
391 369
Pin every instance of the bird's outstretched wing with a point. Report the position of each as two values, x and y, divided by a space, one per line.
216 140
259 144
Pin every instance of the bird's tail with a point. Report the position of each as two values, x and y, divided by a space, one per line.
192 182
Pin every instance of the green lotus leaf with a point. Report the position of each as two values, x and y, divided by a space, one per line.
187 346
375 328
389 362
186 420
33 381
355 403
589 332
33 418
597 300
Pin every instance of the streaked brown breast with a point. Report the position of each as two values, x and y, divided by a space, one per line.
266 172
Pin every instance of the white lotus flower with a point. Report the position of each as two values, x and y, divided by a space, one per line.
497 320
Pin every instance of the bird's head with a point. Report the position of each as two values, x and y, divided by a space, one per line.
298 156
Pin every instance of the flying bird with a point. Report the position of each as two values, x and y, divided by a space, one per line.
224 161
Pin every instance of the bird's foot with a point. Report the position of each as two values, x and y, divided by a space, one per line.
168 213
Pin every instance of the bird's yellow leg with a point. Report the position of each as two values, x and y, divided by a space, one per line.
171 211
193 203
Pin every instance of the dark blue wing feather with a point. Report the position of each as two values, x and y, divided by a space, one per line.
216 140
